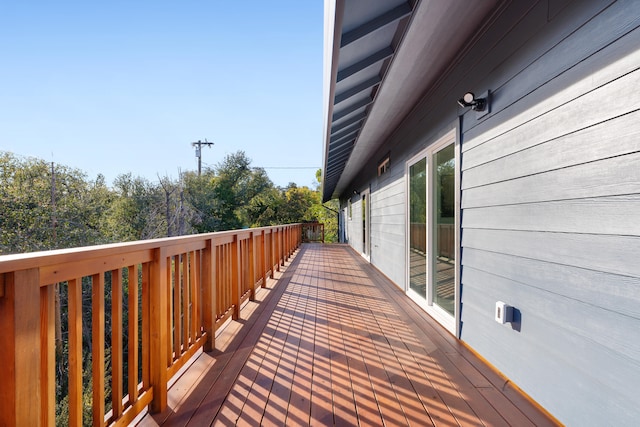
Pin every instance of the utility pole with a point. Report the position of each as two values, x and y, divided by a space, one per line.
198 146
54 221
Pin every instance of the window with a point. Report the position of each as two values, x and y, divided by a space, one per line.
383 165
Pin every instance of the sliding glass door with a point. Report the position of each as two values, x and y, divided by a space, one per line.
418 227
432 230
444 192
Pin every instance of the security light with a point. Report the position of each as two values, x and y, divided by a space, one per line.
470 100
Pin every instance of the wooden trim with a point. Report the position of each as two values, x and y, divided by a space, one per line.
505 383
224 317
184 358
56 273
136 407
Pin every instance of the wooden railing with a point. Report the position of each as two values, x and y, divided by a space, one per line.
313 232
182 290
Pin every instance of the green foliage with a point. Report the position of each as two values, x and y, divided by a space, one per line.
45 206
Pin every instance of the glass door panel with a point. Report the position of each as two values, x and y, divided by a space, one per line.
364 225
418 227
444 229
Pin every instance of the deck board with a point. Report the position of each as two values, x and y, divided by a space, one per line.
335 343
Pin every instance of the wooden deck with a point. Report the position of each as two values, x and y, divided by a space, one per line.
333 342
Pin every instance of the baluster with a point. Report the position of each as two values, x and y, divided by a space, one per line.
132 343
116 343
97 347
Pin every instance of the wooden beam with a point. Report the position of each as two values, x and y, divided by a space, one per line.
352 108
387 18
351 120
356 89
379 56
344 139
346 131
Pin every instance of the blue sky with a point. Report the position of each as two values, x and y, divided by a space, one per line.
125 86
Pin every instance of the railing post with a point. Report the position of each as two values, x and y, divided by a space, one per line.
209 302
20 352
159 330
236 280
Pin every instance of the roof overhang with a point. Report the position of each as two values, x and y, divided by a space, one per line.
380 59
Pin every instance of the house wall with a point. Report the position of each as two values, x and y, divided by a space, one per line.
550 201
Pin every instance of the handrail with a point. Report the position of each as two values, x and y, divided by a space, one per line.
185 289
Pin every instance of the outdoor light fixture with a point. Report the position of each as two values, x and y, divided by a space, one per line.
470 100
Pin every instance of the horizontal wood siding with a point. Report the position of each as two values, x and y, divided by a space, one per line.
550 200
388 228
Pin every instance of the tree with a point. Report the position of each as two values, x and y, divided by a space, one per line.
48 206
200 196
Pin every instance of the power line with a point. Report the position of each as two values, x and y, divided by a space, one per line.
287 167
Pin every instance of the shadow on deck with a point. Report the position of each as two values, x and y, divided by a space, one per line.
334 342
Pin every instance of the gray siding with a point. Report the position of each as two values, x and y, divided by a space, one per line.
550 202
550 192
388 228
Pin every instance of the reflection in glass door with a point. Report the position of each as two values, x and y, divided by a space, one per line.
418 227
444 228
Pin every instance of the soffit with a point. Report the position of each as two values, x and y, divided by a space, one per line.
380 59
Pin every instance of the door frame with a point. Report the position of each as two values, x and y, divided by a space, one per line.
365 211
451 323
